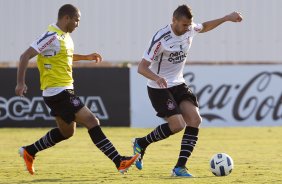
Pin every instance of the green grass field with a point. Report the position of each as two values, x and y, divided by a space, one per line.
257 155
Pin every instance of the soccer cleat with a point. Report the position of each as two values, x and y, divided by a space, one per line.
126 163
141 151
180 172
28 159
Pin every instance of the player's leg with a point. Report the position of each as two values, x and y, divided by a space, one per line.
85 117
62 109
190 136
191 115
67 130
54 136
175 124
71 108
166 107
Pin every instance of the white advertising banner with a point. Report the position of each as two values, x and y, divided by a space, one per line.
229 95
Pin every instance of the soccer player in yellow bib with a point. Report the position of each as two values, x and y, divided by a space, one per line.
55 56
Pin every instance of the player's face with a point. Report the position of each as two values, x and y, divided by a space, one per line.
73 23
181 25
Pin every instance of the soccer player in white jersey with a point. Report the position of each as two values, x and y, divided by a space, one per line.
55 56
162 63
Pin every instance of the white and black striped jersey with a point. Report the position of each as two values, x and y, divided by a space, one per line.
168 52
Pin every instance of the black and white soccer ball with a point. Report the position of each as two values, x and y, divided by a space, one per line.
221 164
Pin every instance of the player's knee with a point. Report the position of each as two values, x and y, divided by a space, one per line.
178 127
200 120
181 126
92 121
68 133
196 121
96 121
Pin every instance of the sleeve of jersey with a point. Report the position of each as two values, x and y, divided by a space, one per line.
44 41
154 49
197 28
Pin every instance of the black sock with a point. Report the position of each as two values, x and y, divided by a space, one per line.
50 139
188 143
102 142
161 132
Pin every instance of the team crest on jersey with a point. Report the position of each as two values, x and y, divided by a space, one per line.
75 101
170 104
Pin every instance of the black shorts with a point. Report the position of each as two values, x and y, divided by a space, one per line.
64 105
166 101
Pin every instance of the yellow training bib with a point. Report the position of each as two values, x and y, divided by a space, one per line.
56 71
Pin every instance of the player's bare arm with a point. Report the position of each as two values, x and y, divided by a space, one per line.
210 25
90 57
21 87
143 69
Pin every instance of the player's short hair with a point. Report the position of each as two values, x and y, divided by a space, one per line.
183 11
69 10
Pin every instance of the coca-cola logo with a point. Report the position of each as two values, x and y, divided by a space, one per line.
255 98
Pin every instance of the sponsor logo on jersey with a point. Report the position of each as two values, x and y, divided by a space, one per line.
177 57
47 66
47 43
156 50
45 36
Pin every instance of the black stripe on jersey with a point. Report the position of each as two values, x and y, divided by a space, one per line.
45 36
159 66
155 41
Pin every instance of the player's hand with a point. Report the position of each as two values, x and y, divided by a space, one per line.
21 89
95 57
161 82
234 17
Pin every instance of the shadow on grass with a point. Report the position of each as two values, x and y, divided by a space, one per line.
41 181
187 178
47 180
59 180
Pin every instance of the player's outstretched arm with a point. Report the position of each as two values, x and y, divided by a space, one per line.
210 25
21 87
90 57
